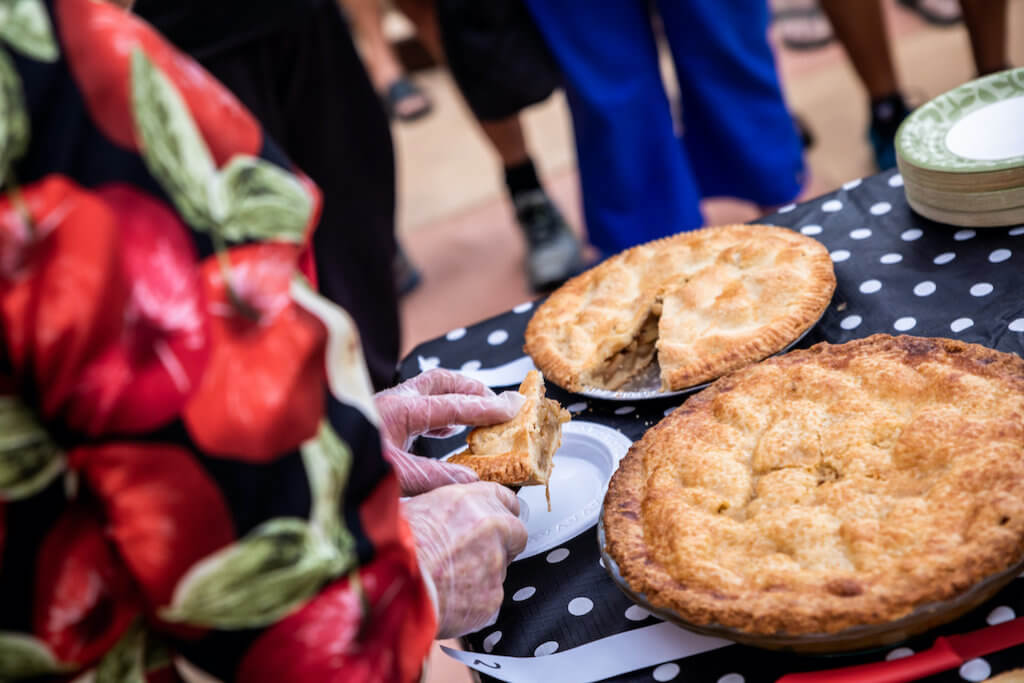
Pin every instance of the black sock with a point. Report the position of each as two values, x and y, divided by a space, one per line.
521 178
888 112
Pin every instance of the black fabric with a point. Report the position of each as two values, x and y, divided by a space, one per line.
496 55
897 272
521 178
307 86
207 28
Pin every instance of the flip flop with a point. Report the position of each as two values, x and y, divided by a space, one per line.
401 90
789 19
929 14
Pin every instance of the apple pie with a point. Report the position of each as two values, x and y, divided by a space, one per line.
702 303
519 452
837 486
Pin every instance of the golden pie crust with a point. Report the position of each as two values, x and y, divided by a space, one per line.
827 488
519 452
707 301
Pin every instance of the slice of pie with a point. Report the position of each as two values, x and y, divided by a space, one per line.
519 452
701 303
828 488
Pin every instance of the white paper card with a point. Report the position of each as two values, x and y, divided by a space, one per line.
611 656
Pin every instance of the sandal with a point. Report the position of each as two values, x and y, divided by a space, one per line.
802 26
936 12
398 96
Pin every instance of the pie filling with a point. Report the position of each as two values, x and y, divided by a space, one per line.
631 360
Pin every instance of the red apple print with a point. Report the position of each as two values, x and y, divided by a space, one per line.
329 640
63 289
98 39
84 596
262 393
163 511
144 376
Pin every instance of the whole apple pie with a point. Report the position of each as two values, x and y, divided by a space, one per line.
828 488
702 303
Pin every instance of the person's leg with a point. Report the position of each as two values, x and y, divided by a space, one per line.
986 25
738 134
637 185
386 73
860 27
553 251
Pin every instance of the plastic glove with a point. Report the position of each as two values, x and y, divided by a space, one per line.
433 404
466 535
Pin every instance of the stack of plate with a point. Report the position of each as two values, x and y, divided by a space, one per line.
962 154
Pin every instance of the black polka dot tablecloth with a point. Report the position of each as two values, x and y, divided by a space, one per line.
897 273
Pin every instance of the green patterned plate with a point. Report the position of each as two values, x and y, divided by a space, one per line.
975 128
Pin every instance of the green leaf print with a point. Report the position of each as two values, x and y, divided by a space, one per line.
257 580
14 126
22 656
328 462
125 662
26 27
172 146
263 201
29 460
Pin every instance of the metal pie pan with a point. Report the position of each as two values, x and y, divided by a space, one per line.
847 641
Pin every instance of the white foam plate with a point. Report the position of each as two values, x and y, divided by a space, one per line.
584 464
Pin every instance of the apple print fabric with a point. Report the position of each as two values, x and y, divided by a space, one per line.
191 481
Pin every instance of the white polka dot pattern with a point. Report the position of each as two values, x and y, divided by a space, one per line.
870 286
523 307
899 653
556 556
925 288
904 324
787 208
545 649
666 672
668 411
811 230
981 289
1000 255
732 678
524 593
944 258
963 235
832 205
636 613
491 640
896 180
1017 325
456 334
1016 231
576 407
471 366
839 255
975 670
497 337
911 235
851 322
961 324
860 234
1000 614
889 259
850 184
625 410
580 606
880 209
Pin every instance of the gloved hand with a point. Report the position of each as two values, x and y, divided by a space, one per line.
433 404
466 535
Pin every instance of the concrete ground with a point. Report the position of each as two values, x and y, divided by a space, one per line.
459 229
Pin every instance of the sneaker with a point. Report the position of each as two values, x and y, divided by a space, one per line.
886 117
553 251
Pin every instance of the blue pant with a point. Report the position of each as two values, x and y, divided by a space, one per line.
639 182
